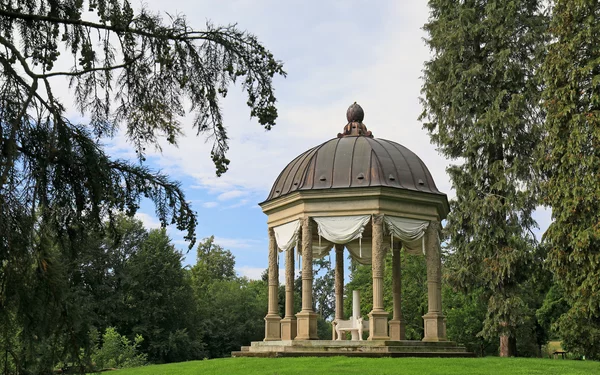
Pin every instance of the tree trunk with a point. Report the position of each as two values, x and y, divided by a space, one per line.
508 346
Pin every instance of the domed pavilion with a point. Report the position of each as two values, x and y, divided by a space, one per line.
366 195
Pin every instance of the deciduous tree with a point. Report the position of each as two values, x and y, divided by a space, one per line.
231 309
159 302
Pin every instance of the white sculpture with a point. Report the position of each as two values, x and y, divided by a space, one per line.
355 325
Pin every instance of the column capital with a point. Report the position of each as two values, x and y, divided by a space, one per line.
435 225
305 220
377 219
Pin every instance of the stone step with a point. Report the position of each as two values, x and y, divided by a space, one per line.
406 348
353 354
254 355
333 343
365 349
376 354
354 346
450 349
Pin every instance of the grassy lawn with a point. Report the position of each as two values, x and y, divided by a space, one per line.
367 366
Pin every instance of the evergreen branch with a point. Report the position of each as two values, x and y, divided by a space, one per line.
18 55
13 132
90 70
94 25
34 75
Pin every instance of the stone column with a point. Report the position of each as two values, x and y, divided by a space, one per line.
288 323
273 320
307 318
378 324
339 285
397 324
435 322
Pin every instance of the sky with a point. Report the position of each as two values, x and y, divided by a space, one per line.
335 53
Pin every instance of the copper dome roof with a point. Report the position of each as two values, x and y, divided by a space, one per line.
354 161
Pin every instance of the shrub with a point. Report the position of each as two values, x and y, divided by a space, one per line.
118 352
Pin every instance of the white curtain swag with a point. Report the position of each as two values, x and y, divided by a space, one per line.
341 229
286 235
410 231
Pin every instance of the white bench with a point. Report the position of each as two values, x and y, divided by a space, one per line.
355 326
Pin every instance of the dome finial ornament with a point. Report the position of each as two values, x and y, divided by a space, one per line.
355 126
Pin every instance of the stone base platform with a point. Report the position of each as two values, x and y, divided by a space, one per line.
331 348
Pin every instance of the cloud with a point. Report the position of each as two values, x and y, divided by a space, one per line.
149 221
241 203
231 195
210 204
255 273
237 243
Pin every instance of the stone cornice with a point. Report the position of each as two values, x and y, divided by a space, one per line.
355 201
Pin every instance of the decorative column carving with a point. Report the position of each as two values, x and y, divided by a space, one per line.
435 322
273 320
307 318
378 324
397 329
288 323
339 285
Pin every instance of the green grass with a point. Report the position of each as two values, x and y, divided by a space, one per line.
367 366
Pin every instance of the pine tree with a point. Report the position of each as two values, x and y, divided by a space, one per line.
481 107
571 165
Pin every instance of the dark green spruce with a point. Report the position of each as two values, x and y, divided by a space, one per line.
481 99
570 162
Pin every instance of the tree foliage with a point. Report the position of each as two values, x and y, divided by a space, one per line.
465 314
570 161
480 97
159 302
232 308
324 288
213 263
118 352
130 286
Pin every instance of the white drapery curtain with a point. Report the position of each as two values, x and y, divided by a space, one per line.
410 231
347 230
342 229
363 252
286 235
319 251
